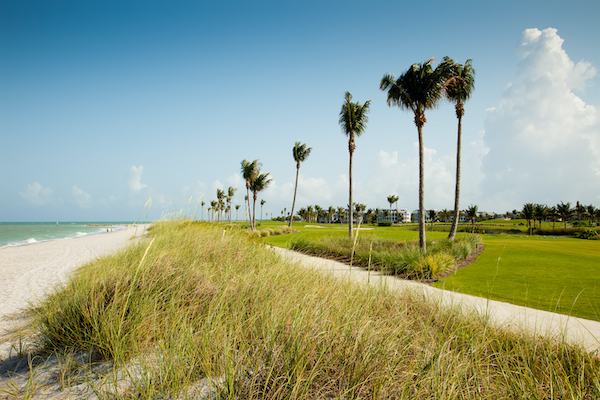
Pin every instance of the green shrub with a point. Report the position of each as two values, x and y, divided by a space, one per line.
590 234
432 265
384 223
390 256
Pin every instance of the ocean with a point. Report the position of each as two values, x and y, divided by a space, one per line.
27 233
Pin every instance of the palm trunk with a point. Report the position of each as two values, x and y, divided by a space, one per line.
295 190
454 227
350 207
253 212
248 203
422 234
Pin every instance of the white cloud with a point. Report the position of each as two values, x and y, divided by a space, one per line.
82 199
235 180
36 194
543 140
217 185
135 177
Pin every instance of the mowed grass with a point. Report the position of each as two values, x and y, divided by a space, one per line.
555 274
552 274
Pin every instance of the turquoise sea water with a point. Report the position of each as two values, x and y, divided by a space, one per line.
26 233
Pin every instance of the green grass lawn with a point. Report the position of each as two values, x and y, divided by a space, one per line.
553 274
549 273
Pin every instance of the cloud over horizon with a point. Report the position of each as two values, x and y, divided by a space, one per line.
135 177
36 194
543 140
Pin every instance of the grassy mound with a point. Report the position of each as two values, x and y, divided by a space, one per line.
208 304
392 256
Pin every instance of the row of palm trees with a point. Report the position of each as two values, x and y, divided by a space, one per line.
255 182
221 207
418 89
564 212
421 88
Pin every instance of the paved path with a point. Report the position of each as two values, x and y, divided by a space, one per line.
574 330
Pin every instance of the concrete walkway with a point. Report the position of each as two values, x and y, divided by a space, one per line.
573 330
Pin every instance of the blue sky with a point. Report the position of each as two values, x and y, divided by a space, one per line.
105 105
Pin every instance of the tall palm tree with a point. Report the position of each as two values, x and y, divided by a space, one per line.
301 153
591 212
203 204
249 172
213 206
565 211
580 210
471 212
377 212
540 212
420 88
353 120
392 199
237 207
341 213
330 213
221 203
258 184
230 193
262 203
528 213
458 89
432 216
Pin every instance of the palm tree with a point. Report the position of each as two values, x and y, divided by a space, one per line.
565 211
230 193
432 216
541 213
249 172
221 203
353 120
341 213
262 203
591 212
360 208
330 213
471 212
258 184
237 207
203 204
392 199
377 212
580 210
458 89
528 213
418 89
213 206
301 153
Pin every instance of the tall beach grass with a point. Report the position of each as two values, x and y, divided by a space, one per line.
192 304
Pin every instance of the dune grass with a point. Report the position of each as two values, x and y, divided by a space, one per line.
191 303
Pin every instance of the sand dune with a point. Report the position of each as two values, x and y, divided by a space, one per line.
27 273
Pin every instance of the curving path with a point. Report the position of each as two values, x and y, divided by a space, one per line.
572 329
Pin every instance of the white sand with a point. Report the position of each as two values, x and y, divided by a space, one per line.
27 273
573 330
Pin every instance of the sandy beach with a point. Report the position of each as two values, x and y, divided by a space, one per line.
27 273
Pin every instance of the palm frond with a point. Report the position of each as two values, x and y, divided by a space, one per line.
353 116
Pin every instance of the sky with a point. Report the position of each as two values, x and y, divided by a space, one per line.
134 110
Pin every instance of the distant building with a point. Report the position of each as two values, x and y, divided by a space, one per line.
396 216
